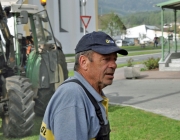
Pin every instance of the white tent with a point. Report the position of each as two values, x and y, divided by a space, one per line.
8 2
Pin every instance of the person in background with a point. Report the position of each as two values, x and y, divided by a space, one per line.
78 110
29 44
26 44
155 41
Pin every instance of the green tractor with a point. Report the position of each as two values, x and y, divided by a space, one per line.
32 66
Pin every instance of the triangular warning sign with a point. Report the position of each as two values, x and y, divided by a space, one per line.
85 20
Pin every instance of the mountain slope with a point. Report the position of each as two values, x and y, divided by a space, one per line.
125 7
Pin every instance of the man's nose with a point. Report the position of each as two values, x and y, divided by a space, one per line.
113 64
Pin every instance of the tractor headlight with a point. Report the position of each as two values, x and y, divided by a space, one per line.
43 2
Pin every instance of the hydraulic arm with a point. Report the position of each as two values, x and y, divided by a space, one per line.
8 38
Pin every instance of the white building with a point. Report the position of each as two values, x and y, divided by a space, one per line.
145 31
65 19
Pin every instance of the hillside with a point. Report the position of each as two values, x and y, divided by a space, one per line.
126 7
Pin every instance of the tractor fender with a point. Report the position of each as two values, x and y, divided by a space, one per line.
48 69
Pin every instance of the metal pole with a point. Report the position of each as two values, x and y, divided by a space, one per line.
175 20
1 48
162 30
84 12
16 44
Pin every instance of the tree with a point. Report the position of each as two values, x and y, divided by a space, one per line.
112 24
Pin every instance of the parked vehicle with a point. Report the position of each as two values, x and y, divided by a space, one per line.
130 43
146 41
27 80
118 43
124 43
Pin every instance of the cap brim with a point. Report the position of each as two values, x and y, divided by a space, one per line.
109 49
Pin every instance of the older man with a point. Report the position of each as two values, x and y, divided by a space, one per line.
78 109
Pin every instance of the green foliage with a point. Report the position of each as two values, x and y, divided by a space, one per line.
151 63
125 7
149 18
71 73
134 13
130 62
143 69
112 24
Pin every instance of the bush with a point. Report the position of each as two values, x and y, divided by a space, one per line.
151 63
130 62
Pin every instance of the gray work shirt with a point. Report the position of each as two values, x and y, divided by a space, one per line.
70 115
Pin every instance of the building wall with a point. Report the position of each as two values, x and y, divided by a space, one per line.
135 31
151 34
65 20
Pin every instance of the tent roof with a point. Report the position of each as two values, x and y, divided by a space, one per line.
152 27
171 4
8 2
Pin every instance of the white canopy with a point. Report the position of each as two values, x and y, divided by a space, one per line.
9 2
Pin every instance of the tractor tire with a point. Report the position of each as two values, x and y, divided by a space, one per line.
45 94
17 121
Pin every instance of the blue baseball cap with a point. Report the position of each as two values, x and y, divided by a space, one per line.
99 42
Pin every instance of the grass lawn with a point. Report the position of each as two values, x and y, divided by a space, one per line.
134 53
138 48
128 123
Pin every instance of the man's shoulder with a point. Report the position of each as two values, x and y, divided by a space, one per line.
67 95
73 83
70 90
70 85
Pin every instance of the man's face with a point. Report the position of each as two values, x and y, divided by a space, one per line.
101 69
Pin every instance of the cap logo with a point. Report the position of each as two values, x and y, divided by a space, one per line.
109 41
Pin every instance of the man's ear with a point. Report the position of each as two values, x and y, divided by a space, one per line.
83 61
